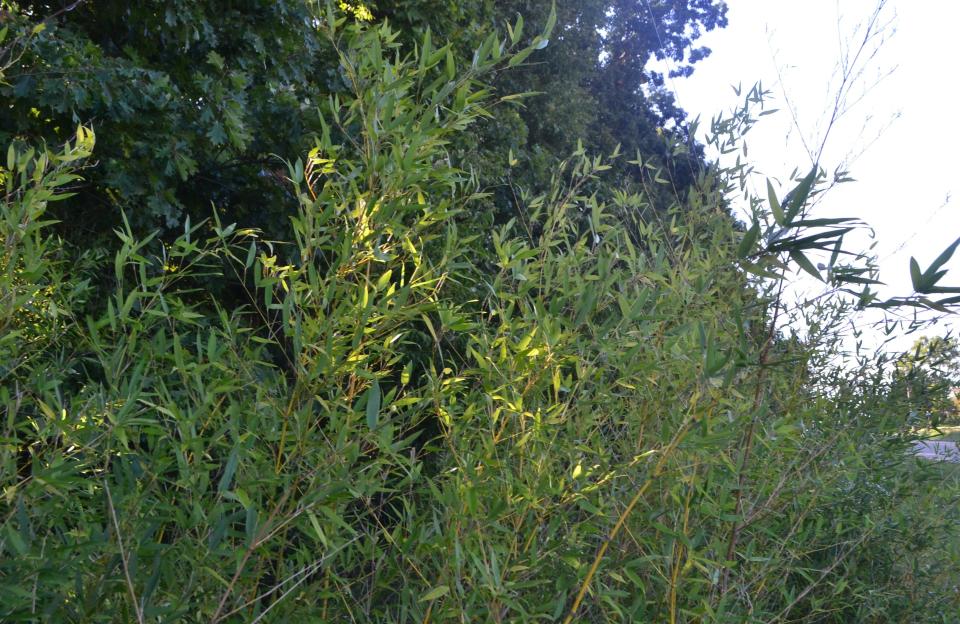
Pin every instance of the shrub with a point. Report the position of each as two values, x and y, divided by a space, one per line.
577 415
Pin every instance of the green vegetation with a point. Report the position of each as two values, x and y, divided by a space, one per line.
927 378
943 433
418 372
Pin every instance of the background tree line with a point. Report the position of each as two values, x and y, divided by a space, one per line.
193 100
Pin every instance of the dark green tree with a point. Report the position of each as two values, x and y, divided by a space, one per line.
590 84
190 99
193 100
926 377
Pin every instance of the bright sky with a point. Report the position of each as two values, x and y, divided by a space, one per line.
906 177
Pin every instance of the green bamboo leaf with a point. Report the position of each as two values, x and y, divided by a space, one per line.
19 546
929 281
425 49
384 279
760 270
798 196
451 65
934 305
812 241
822 222
942 259
229 470
805 264
436 592
251 524
517 31
748 241
373 405
251 255
915 275
315 523
837 250
551 20
775 205
520 57
847 279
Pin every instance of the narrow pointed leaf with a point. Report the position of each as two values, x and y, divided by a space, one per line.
778 215
551 21
520 57
942 259
748 241
229 470
807 242
805 264
915 275
373 405
437 592
822 222
799 195
517 30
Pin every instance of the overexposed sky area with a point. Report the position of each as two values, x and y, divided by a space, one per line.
901 139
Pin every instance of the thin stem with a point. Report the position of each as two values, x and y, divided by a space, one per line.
123 557
748 441
665 454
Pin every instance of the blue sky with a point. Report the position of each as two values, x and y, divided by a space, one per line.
902 137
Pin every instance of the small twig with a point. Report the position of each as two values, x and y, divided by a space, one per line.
826 572
123 557
258 540
665 454
679 550
65 9
36 582
303 572
748 440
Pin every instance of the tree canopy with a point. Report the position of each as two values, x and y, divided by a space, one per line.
195 100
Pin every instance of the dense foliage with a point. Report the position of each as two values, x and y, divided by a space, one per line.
396 405
927 379
192 100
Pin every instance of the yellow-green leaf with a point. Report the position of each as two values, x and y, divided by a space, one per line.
437 592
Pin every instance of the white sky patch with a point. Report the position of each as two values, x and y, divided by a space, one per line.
902 139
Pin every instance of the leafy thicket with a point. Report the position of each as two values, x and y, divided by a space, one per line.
588 409
592 85
926 379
